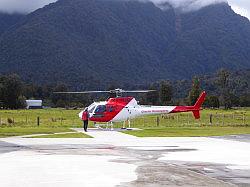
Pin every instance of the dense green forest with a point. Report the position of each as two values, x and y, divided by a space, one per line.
9 20
93 44
224 89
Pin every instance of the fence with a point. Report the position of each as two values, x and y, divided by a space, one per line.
39 121
70 119
187 120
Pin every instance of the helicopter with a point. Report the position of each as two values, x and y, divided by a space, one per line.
122 109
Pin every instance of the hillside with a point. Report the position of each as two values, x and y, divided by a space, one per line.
210 39
8 20
94 43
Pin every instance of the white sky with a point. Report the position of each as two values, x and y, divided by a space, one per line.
23 6
241 7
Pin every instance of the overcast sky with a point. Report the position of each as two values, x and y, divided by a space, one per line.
25 6
241 7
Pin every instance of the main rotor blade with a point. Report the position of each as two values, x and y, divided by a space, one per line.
138 91
85 92
117 91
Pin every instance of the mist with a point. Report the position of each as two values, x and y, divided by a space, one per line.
187 5
22 6
27 6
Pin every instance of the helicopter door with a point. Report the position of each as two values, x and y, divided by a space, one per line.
110 108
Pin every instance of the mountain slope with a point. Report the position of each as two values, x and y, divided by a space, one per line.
93 43
209 39
8 20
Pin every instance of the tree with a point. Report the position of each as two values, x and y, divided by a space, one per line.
195 91
235 101
225 92
212 101
245 100
11 92
60 100
152 98
166 92
1 94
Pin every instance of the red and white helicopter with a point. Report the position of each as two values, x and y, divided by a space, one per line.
118 109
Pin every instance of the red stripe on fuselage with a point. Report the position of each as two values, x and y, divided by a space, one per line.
113 107
195 110
183 109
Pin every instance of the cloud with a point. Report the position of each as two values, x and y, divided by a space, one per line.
241 11
26 6
187 5
22 6
241 7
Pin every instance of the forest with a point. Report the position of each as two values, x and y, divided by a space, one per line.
224 88
93 44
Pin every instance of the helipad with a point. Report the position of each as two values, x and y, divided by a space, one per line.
116 159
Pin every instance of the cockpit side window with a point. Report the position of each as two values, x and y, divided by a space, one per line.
100 109
110 108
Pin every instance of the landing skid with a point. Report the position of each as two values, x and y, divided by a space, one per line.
106 126
110 126
129 129
124 125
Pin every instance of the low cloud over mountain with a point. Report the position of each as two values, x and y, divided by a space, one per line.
26 6
93 43
22 6
188 5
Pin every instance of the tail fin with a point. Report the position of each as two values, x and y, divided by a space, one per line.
200 100
197 105
196 114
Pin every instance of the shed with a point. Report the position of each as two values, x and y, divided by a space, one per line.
34 104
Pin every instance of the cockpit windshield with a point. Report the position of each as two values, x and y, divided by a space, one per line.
100 109
91 108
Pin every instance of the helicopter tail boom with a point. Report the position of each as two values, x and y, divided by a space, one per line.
195 109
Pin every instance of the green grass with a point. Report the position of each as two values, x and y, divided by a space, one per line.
48 118
67 135
190 131
18 131
24 122
234 117
70 119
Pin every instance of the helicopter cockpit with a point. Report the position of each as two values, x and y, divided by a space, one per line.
97 109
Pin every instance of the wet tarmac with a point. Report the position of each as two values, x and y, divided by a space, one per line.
9 147
241 138
138 161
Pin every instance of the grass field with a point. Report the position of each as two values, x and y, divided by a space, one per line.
21 122
19 131
239 117
66 135
47 118
190 131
